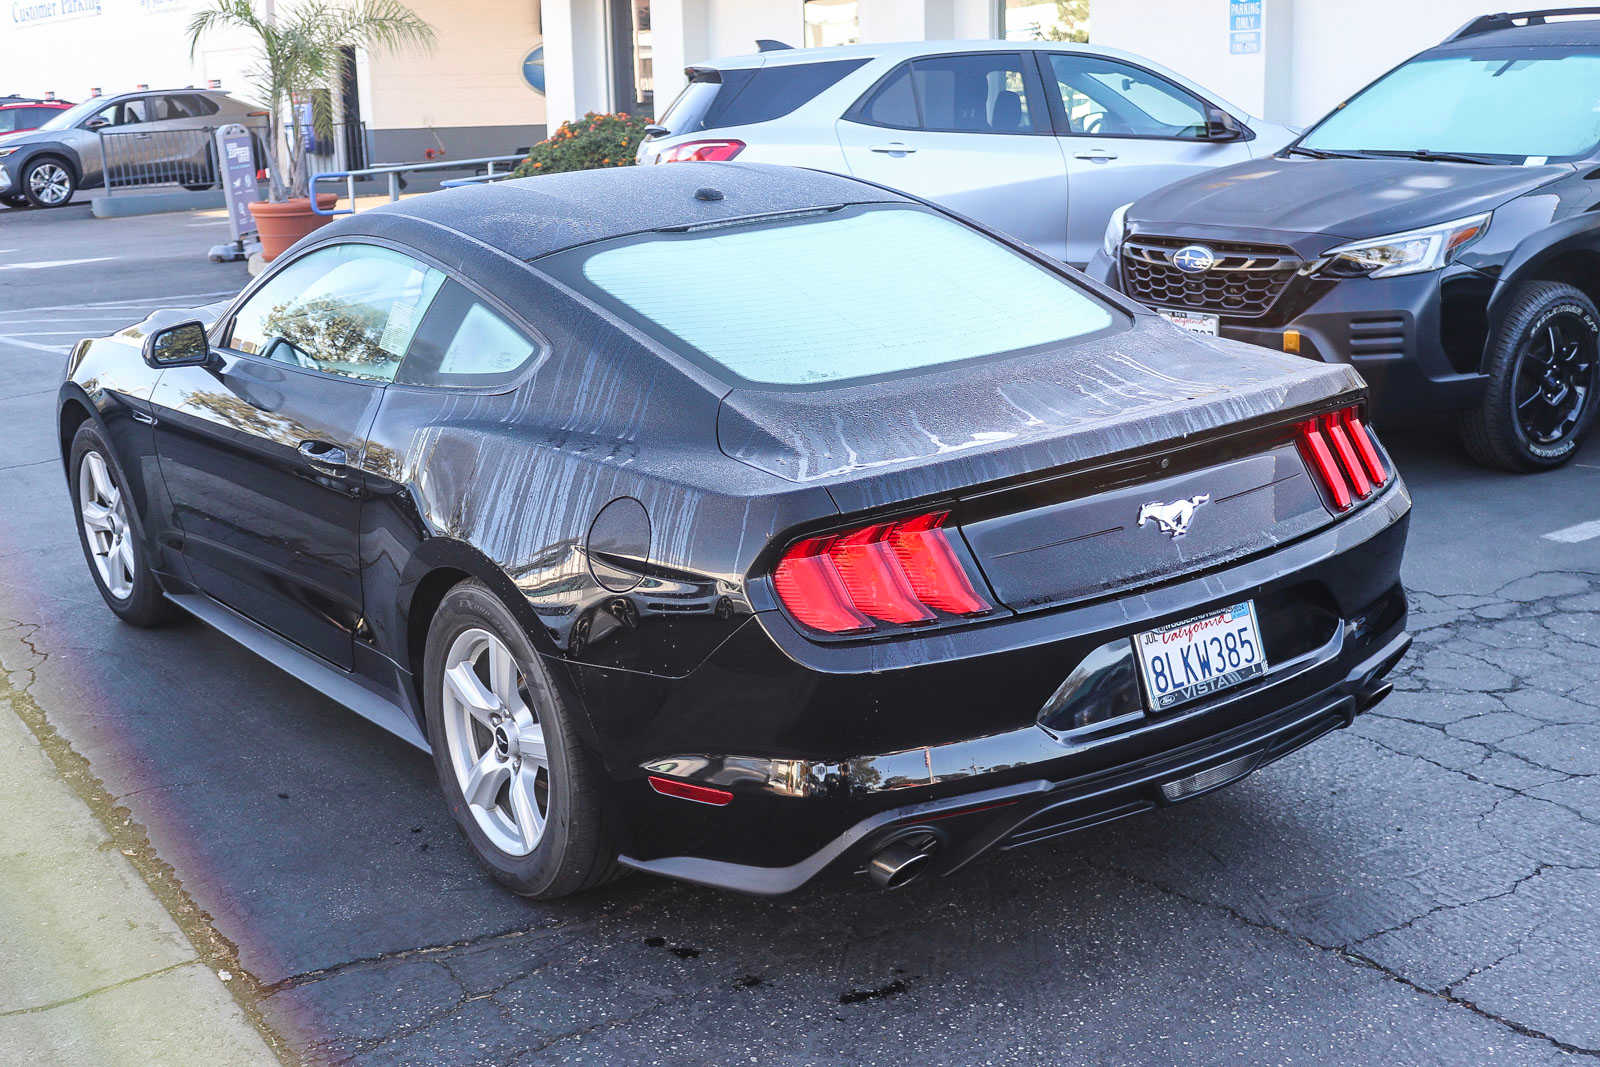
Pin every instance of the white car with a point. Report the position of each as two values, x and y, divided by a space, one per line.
1041 139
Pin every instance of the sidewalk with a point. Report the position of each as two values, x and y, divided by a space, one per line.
93 970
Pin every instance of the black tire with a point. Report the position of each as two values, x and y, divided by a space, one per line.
1514 429
143 604
577 849
47 195
197 188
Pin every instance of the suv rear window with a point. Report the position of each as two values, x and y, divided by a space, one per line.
760 94
834 295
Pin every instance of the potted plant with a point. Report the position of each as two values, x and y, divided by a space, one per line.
298 58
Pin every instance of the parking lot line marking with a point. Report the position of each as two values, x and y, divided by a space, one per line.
41 264
1571 535
53 349
160 301
156 301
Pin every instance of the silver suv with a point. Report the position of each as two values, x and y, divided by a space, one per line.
158 136
1041 139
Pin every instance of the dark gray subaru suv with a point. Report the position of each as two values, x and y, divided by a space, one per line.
1439 231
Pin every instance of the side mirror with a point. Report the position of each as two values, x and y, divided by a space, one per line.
1221 126
183 345
96 122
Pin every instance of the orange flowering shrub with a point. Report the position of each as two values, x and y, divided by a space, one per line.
587 143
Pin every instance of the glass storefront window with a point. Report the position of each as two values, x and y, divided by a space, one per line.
1044 20
831 22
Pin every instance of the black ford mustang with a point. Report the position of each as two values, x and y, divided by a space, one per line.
735 523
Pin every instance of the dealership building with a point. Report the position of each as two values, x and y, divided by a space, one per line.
502 71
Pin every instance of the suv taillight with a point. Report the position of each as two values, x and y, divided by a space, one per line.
1339 449
903 573
701 152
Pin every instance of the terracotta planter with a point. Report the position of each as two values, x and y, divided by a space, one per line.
281 225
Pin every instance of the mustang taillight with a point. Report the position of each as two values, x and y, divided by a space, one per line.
1340 451
904 572
701 152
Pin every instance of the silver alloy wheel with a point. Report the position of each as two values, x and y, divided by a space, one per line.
495 742
105 525
50 183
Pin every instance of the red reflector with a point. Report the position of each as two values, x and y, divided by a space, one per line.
812 590
939 580
1316 448
702 152
700 794
1364 447
1347 456
873 578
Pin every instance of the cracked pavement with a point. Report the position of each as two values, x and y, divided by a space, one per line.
1420 888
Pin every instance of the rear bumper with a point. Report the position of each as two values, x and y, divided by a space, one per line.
972 824
798 811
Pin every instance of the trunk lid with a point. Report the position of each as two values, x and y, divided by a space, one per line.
1048 459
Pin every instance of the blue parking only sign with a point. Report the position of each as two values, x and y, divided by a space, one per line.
1244 27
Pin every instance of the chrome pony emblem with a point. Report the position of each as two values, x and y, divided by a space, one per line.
1173 518
1194 259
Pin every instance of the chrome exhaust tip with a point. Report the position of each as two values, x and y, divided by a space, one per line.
902 861
1374 696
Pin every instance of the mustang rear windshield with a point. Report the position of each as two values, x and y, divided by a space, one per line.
1515 105
836 295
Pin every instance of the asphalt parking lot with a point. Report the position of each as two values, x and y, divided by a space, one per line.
1420 888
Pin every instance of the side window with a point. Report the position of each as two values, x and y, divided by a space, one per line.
178 107
463 343
123 114
135 111
1105 98
893 103
198 105
983 93
348 309
774 92
973 93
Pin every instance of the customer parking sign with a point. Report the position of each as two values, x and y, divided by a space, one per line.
1244 27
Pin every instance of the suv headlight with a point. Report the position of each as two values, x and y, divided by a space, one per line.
1114 231
1412 252
4 152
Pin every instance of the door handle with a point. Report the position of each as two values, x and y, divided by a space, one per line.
326 457
893 148
1097 155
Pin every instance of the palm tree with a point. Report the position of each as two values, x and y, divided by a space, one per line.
300 53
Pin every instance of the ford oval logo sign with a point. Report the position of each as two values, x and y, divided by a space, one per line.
1194 259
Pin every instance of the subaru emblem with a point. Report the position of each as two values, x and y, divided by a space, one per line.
1194 259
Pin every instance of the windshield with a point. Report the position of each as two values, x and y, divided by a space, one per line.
1503 103
836 295
73 115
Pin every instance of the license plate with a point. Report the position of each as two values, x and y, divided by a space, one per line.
1191 321
1198 657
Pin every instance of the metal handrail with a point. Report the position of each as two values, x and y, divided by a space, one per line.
476 179
393 171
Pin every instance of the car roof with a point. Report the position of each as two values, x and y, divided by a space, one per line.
1563 33
531 217
898 50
